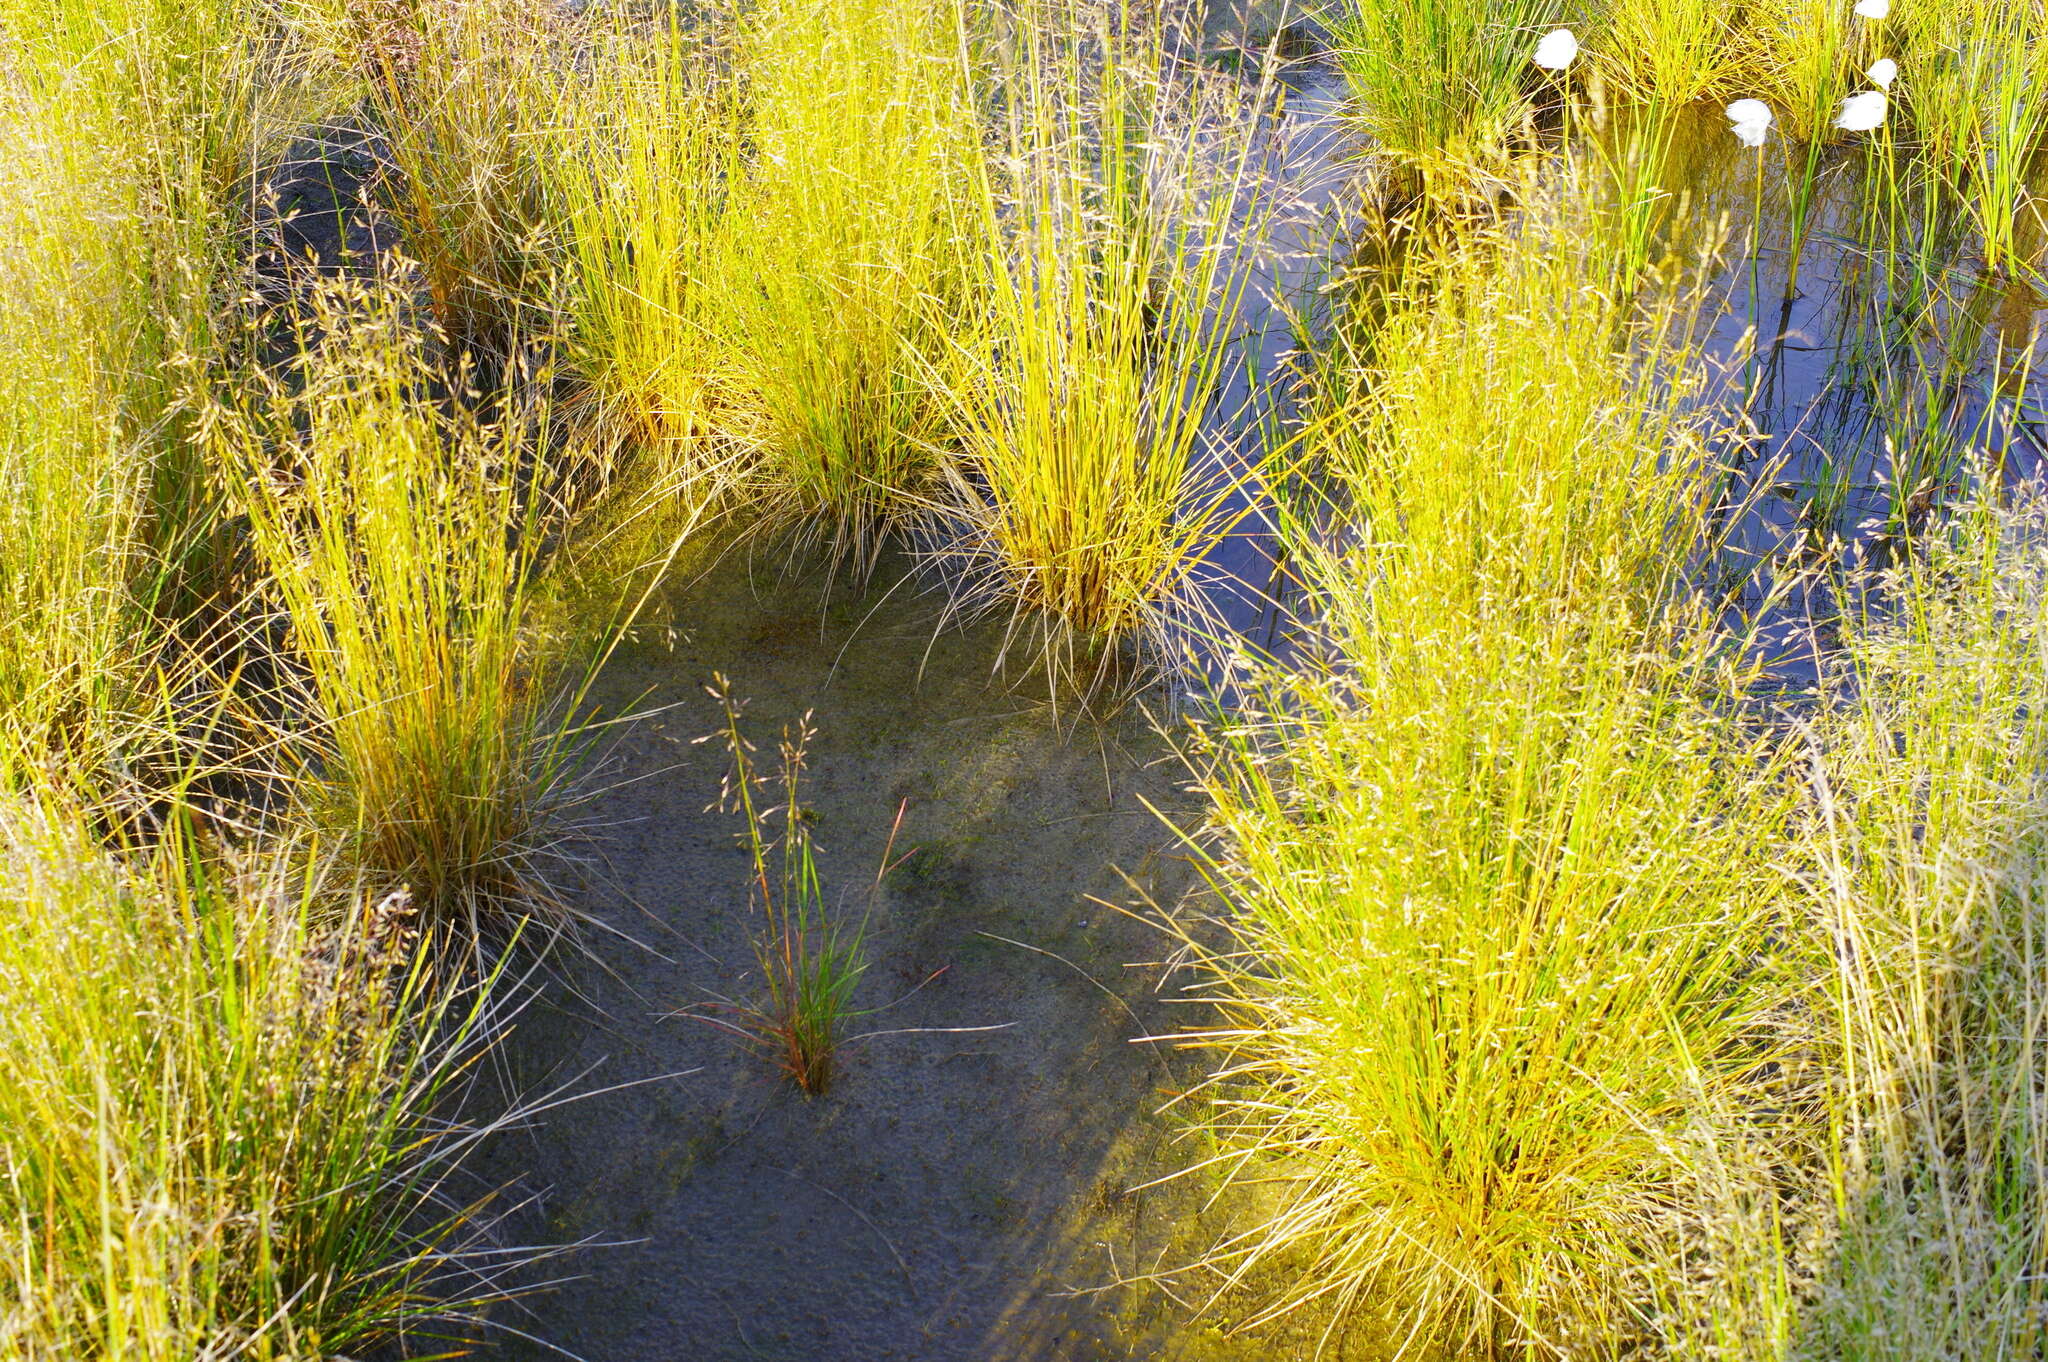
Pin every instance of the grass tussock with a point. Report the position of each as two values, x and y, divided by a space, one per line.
217 1106
1499 876
78 500
125 130
1887 1204
1091 480
1442 83
845 271
1668 53
401 529
644 154
1924 858
457 92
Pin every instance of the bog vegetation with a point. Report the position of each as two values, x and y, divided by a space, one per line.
1626 926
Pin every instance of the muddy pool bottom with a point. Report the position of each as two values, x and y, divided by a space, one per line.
959 1192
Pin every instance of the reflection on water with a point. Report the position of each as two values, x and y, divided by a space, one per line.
1308 183
1865 356
1868 356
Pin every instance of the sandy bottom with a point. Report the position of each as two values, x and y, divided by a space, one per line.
958 1193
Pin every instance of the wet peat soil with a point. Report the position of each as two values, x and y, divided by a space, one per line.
959 1192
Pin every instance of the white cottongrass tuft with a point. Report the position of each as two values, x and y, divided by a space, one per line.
1883 72
1559 49
1752 119
1873 9
1861 113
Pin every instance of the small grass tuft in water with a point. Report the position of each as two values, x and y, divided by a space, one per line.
810 963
